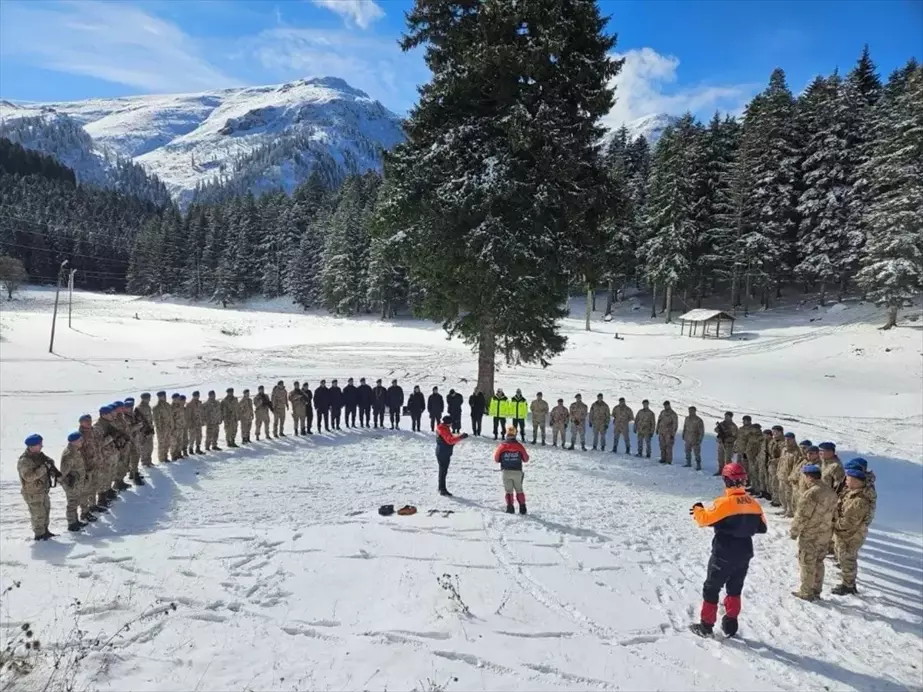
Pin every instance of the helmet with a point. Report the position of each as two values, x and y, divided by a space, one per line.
511 431
734 472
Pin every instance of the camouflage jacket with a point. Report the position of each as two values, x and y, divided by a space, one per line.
163 417
539 410
599 414
33 473
179 416
245 408
559 417
776 445
298 400
73 468
813 520
194 416
832 472
645 422
211 411
622 416
144 412
261 403
726 431
229 408
667 422
693 429
104 442
90 448
578 413
743 437
853 513
789 460
279 398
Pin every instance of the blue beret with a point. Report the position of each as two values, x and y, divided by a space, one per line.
229 390
175 396
856 473
790 435
813 448
806 443
161 393
103 410
857 463
117 404
810 468
777 427
182 397
33 439
85 416
129 401
828 446
195 393
74 436
145 395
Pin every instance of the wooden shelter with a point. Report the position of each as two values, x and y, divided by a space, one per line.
703 317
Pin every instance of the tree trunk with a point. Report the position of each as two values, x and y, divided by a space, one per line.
823 294
668 299
668 291
593 294
747 295
590 304
735 291
654 300
487 359
610 298
892 317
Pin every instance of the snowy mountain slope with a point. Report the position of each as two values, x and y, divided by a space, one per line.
651 127
189 140
283 576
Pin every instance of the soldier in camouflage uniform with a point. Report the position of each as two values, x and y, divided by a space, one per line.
120 421
762 460
245 415
195 421
73 480
279 400
667 424
578 414
186 432
135 424
798 481
743 441
693 433
107 457
91 462
850 526
789 459
211 412
261 408
831 468
755 444
726 433
559 418
163 424
229 417
146 415
812 527
645 422
622 416
179 427
37 474
299 408
539 410
776 445
599 422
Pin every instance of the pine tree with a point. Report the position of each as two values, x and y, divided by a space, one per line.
719 218
892 266
305 272
346 253
497 186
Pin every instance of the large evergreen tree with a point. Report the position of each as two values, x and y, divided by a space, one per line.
498 184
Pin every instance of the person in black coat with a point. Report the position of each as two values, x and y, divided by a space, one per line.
350 402
364 393
395 399
379 401
416 404
322 405
435 406
477 404
308 406
454 401
336 404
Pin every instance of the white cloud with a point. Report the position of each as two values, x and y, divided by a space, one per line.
375 65
115 42
359 12
645 87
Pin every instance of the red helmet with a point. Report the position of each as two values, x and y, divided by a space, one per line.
734 472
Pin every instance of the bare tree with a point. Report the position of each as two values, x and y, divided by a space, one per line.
12 274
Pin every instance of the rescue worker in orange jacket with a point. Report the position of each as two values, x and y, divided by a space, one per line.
736 517
511 455
445 445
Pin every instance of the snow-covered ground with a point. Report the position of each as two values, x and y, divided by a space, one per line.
284 576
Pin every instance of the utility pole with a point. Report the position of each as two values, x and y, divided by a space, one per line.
70 296
57 295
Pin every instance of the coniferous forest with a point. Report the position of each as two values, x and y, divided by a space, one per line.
485 223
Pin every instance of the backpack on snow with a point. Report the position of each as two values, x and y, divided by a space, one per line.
386 510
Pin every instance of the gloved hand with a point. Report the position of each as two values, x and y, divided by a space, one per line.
464 436
697 504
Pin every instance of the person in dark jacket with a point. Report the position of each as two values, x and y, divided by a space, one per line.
336 404
416 404
379 401
395 399
350 402
308 407
736 518
364 393
477 404
322 405
511 455
435 406
445 445
454 402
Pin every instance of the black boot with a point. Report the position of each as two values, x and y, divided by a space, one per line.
216 448
729 626
89 517
75 527
843 590
703 629
510 509
111 494
638 455
99 509
522 508
582 447
571 446
48 535
122 485
233 445
137 480
445 493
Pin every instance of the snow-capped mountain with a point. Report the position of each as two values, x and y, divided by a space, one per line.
650 126
249 138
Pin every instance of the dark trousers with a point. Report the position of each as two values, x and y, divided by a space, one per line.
378 415
365 416
323 416
395 415
476 422
520 424
501 424
309 418
433 421
729 574
415 420
335 417
456 421
443 472
350 416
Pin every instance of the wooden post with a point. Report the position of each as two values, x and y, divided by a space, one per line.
54 314
70 297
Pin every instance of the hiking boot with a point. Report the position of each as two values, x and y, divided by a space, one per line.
138 480
216 448
843 590
805 597
543 443
703 629
198 450
111 494
233 445
510 509
698 467
582 447
522 508
75 527
89 518
603 448
99 509
571 447
687 465
48 535
729 626
281 434
445 493
594 448
122 485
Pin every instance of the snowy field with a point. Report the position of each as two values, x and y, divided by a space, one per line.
284 577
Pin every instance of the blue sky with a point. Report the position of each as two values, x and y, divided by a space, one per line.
685 54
